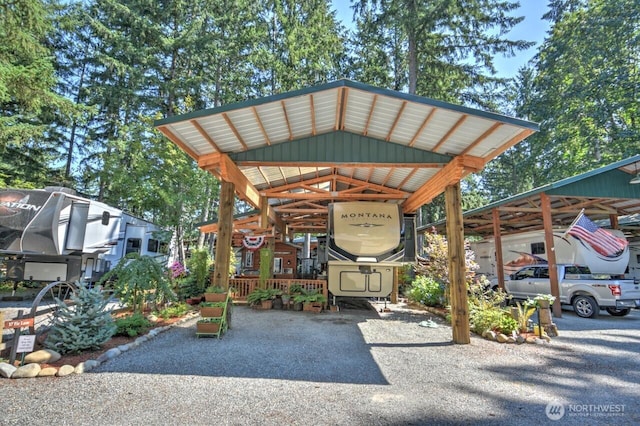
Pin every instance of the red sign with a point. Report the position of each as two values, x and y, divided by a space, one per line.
19 323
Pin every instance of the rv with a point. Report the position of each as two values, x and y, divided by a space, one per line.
366 241
54 235
529 248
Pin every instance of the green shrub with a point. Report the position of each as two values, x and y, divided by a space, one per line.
485 319
132 325
427 291
199 265
138 280
507 324
84 325
174 311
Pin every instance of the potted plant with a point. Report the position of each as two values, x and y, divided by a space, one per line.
215 294
208 326
212 309
262 298
295 290
311 300
544 301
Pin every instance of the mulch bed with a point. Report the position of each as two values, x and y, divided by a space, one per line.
114 342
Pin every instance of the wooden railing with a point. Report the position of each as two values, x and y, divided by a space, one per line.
244 286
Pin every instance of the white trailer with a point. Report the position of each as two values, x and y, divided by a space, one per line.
366 241
529 248
54 235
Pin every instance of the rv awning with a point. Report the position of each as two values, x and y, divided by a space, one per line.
341 141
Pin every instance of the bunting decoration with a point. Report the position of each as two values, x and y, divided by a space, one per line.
253 243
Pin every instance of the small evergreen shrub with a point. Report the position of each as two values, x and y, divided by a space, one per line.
132 325
427 291
84 325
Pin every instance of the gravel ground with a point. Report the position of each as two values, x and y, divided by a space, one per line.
353 367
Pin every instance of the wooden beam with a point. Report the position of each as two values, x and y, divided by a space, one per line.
225 235
453 172
457 267
231 173
497 238
451 131
551 253
173 138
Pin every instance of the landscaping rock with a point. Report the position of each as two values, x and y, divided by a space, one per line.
26 371
65 370
501 338
42 356
520 340
491 335
86 366
111 353
6 370
48 372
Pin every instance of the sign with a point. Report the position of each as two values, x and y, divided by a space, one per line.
19 323
26 343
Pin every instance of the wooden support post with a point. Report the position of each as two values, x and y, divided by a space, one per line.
394 291
497 239
457 267
225 235
547 221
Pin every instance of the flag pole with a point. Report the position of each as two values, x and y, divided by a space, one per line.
573 223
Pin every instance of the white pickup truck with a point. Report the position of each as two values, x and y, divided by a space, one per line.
586 292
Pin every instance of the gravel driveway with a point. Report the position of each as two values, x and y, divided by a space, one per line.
353 367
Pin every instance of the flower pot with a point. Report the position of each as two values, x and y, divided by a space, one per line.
543 304
207 311
266 304
315 307
215 297
207 327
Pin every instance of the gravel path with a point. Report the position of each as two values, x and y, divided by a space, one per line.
353 367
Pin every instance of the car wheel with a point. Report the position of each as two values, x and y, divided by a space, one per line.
585 306
618 312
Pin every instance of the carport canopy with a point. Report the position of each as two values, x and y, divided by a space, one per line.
290 155
604 195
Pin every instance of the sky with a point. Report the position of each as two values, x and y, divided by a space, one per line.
532 28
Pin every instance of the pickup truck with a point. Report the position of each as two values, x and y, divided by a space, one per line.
586 292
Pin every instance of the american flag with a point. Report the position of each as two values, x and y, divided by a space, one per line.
602 241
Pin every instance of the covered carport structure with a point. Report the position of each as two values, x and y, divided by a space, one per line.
290 155
603 194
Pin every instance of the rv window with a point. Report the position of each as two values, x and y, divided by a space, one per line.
133 245
105 217
153 245
537 248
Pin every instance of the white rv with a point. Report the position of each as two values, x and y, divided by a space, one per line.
366 241
55 235
529 248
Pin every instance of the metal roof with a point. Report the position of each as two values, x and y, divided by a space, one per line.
603 193
342 141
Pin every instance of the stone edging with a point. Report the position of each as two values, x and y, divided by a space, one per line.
33 369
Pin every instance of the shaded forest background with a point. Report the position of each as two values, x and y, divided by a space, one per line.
82 81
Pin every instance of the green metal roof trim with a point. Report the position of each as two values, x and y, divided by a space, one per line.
348 84
340 147
606 181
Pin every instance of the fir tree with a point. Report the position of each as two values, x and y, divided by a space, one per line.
82 325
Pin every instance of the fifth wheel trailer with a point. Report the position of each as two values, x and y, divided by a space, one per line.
529 248
366 241
55 235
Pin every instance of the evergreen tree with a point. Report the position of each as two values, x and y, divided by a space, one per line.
85 324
